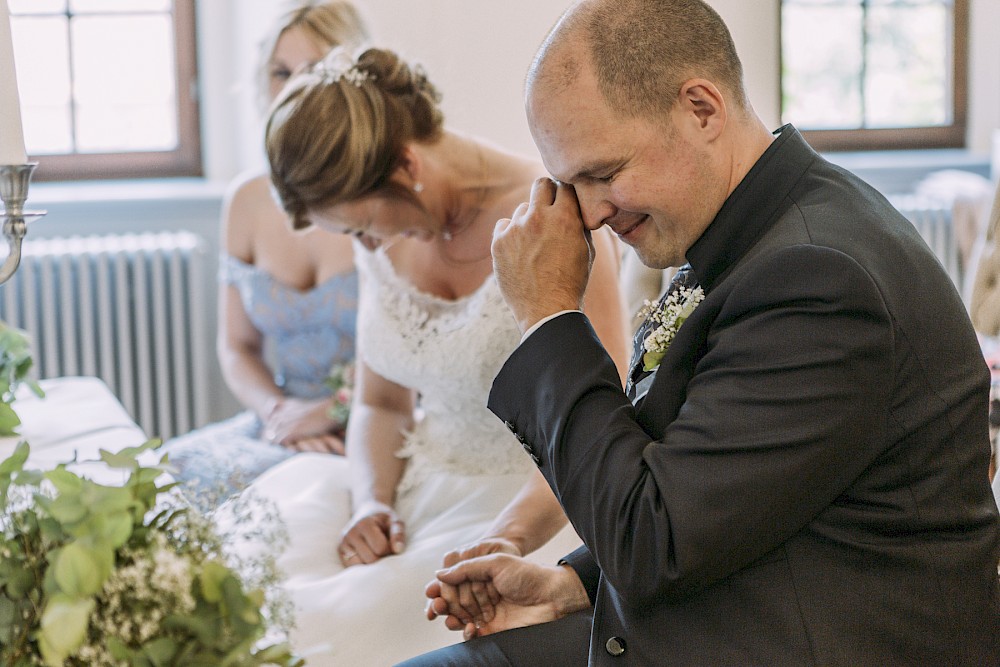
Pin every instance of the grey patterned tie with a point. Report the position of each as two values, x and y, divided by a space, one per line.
638 379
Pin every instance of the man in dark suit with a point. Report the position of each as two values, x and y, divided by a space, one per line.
802 480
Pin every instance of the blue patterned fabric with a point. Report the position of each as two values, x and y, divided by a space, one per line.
310 330
307 332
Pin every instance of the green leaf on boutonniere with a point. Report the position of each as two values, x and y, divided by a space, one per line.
650 360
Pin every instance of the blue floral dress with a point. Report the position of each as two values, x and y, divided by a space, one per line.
307 332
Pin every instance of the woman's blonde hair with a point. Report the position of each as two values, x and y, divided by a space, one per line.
337 131
328 23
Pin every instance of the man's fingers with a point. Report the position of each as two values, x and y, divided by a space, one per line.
566 196
543 192
475 569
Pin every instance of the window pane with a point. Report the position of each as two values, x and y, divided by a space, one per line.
43 80
130 6
822 64
908 64
124 103
37 6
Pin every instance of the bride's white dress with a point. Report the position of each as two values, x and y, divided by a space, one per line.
463 467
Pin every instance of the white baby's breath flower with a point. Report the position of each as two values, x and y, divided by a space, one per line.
676 308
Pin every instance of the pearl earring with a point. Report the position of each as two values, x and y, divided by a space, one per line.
418 187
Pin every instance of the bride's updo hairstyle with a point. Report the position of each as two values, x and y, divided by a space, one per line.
337 131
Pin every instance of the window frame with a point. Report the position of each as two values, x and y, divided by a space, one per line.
903 138
185 160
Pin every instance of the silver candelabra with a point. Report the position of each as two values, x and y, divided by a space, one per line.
14 179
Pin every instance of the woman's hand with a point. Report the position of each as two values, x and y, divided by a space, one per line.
474 599
289 421
375 531
324 444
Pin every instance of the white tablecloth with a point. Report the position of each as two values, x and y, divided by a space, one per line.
78 415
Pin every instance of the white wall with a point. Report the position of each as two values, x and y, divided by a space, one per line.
477 52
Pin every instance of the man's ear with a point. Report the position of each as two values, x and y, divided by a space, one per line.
701 100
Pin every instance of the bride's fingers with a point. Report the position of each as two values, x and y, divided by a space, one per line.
397 535
475 599
451 558
350 555
453 623
451 596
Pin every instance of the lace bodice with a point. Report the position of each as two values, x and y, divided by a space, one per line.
308 330
449 352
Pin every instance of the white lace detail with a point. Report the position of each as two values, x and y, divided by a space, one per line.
450 352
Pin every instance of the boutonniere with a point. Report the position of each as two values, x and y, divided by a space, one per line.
669 315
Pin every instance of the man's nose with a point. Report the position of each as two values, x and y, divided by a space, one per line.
594 207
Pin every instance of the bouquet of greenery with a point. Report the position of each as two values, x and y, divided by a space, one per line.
15 362
117 575
341 384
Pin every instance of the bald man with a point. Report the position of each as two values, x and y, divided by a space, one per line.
802 479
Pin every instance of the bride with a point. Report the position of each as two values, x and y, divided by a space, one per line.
358 146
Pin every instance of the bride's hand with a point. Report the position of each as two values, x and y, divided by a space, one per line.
375 531
473 599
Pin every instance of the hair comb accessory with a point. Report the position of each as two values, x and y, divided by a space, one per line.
338 66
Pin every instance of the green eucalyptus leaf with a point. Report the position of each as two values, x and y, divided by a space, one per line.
160 651
106 499
66 509
29 478
15 462
127 457
117 648
237 655
213 574
10 615
18 582
65 481
77 571
121 460
118 528
8 420
278 654
63 628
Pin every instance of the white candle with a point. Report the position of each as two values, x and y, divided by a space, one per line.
11 132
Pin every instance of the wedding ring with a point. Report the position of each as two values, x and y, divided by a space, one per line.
348 555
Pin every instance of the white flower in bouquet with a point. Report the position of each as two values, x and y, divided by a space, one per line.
122 576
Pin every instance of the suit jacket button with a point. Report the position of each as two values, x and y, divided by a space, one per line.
615 646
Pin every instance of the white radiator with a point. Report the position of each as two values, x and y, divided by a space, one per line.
126 308
934 222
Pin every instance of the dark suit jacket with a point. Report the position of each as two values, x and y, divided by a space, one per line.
806 481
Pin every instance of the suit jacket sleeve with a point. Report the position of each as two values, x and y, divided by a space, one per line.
777 388
583 564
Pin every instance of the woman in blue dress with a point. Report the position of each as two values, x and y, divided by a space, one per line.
287 303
